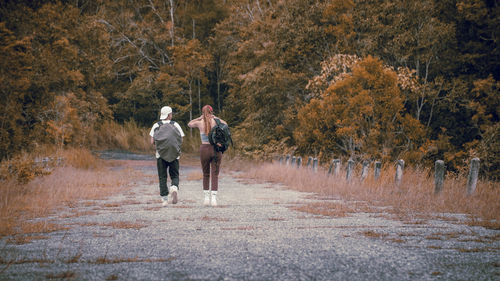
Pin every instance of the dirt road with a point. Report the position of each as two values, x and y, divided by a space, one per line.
254 234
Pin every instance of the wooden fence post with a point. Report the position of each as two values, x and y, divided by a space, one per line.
438 176
399 171
315 165
299 162
473 175
364 171
309 161
336 167
350 167
378 167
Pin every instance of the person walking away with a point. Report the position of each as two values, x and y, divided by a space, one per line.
167 136
209 158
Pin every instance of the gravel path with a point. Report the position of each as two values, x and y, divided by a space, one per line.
254 234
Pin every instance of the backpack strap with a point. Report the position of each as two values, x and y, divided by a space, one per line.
159 125
217 122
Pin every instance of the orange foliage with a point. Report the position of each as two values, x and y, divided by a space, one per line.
360 115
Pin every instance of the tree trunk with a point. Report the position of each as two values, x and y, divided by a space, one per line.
190 107
194 32
199 96
218 94
172 34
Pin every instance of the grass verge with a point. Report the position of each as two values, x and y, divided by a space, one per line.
81 177
413 197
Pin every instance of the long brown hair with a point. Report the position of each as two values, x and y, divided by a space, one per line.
207 112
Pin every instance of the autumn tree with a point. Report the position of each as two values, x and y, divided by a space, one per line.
15 80
190 63
360 116
59 53
338 20
70 67
282 40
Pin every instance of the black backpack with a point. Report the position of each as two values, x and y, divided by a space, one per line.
220 136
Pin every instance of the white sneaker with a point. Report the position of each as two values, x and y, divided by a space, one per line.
164 201
206 201
214 198
174 189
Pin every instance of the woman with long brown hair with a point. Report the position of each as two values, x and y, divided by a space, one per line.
210 161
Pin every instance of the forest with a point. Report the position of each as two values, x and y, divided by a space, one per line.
362 79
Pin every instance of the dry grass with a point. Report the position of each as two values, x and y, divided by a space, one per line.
77 259
25 239
111 277
106 260
478 250
66 186
128 136
414 197
77 213
80 158
25 260
207 218
331 209
395 240
126 225
112 205
117 224
373 234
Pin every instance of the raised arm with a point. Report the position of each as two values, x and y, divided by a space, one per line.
195 123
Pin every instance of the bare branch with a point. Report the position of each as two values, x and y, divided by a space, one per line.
152 6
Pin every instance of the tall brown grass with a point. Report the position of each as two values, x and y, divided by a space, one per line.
128 136
79 177
414 197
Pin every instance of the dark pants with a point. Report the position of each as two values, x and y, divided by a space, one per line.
173 170
210 166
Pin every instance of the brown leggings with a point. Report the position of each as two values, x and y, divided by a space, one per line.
209 166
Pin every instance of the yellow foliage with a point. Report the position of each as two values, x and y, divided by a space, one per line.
359 115
22 168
